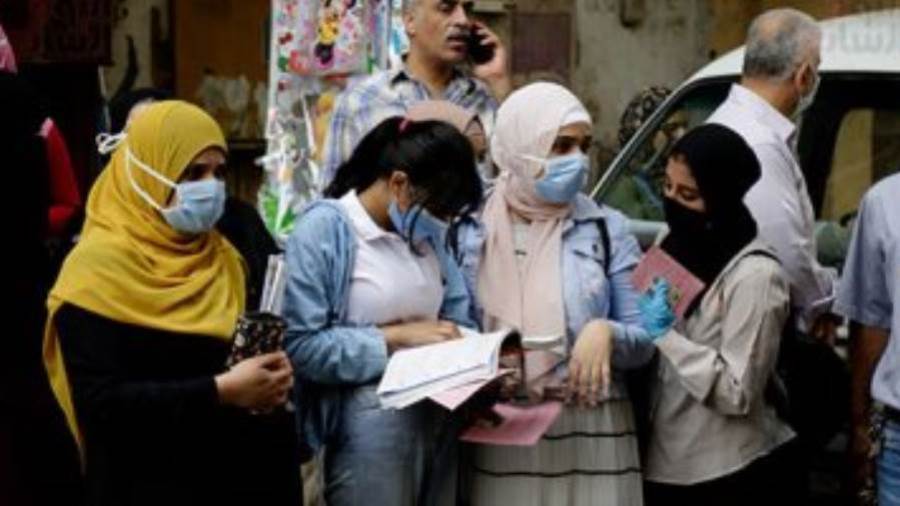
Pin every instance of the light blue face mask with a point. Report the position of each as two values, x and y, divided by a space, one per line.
199 204
563 178
426 226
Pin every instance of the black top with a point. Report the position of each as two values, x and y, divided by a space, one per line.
154 430
38 461
244 228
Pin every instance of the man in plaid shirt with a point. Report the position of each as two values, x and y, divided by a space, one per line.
438 31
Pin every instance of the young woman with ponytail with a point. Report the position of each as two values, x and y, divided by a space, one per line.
370 274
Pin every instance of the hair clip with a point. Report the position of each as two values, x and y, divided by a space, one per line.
405 123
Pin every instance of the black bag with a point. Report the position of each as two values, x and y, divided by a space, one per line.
810 388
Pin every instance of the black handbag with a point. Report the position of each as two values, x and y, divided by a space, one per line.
810 388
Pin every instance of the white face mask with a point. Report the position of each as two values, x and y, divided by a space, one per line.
807 100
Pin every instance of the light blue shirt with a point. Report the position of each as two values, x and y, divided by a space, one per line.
868 292
588 293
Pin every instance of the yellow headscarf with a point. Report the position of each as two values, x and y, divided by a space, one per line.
130 265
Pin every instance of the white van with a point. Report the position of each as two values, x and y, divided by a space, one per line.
848 139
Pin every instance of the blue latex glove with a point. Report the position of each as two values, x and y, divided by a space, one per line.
657 316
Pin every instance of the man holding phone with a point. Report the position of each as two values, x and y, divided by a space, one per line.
442 37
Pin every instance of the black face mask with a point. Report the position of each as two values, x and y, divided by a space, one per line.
685 223
701 245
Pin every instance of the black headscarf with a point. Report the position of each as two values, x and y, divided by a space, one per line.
725 168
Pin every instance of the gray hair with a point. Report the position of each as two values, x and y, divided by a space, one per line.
778 41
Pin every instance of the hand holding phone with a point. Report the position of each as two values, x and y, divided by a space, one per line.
479 52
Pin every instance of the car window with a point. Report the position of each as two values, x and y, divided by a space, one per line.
849 140
636 188
867 149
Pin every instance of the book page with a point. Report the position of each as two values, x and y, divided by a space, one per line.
418 367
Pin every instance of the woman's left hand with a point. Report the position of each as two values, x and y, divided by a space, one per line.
590 368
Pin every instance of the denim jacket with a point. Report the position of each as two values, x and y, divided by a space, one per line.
328 353
587 291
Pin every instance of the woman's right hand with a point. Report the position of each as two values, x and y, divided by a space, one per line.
411 335
259 383
657 315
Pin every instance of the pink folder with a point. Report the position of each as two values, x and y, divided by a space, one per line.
521 426
658 264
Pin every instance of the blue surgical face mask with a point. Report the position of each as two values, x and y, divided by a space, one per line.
198 206
563 178
426 226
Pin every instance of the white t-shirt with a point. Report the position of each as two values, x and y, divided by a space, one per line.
390 282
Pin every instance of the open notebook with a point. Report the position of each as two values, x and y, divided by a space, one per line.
450 371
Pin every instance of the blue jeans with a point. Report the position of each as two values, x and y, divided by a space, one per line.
401 457
889 467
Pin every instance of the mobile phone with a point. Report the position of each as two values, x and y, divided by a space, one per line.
478 53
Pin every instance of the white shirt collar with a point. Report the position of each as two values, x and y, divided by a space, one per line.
763 112
365 226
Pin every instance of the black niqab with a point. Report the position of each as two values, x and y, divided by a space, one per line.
725 168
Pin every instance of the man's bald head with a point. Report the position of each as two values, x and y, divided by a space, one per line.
778 41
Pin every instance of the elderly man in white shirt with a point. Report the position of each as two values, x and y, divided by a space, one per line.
780 80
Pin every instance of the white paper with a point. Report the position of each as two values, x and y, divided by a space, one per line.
273 285
417 373
548 342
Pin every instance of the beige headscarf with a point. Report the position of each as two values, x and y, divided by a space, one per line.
526 126
442 110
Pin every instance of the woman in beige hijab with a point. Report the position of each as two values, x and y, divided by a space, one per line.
465 120
545 259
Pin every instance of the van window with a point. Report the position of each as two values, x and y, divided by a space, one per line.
867 149
637 189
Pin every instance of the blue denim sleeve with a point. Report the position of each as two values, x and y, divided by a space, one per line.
457 304
633 347
467 260
322 349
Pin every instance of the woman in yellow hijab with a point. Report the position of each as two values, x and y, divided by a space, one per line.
139 327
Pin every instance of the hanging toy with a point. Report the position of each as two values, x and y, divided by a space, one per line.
328 32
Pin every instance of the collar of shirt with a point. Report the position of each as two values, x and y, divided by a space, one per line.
763 111
460 84
364 225
583 211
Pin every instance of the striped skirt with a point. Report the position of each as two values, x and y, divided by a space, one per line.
588 457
